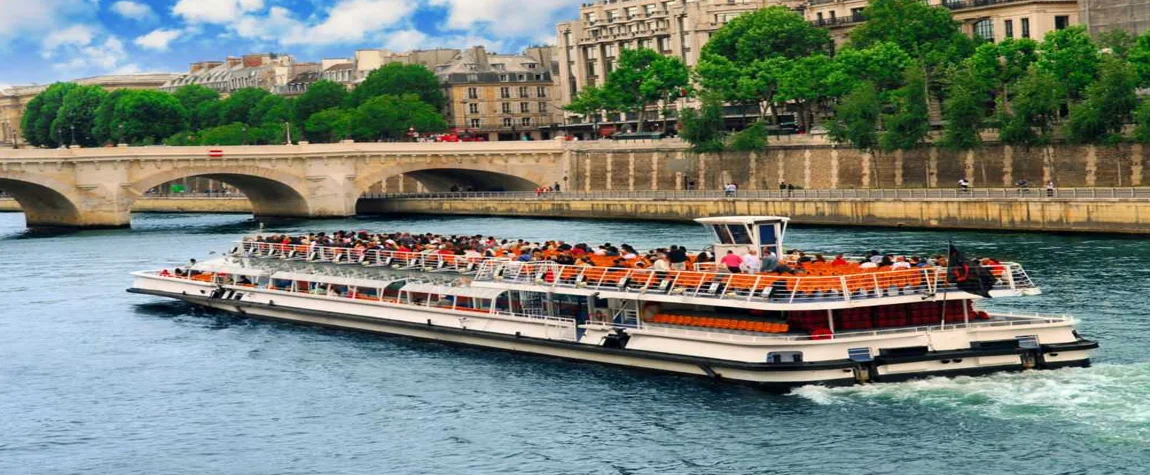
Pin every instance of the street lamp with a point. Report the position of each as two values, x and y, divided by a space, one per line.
244 135
73 127
120 137
60 136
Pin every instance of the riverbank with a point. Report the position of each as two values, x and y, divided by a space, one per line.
238 205
1124 216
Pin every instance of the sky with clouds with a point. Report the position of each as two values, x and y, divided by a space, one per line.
43 41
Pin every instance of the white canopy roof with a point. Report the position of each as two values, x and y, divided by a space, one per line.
228 269
332 279
741 219
472 292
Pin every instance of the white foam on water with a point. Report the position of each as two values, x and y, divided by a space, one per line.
1114 399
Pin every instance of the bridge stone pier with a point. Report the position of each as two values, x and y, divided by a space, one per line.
95 188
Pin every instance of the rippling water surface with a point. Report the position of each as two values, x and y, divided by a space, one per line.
93 379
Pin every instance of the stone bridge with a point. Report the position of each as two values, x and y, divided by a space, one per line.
94 188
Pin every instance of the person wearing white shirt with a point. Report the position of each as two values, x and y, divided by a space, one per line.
661 264
900 263
751 263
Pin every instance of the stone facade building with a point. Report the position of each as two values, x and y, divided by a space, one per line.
501 96
14 99
1104 15
265 71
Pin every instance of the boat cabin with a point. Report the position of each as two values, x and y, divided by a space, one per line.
741 233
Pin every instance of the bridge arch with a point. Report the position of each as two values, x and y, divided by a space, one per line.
46 203
443 177
272 193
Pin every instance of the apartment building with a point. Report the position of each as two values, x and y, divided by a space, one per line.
501 96
992 20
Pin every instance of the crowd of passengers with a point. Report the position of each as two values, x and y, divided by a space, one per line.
605 255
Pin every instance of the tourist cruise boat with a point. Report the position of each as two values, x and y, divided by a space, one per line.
831 326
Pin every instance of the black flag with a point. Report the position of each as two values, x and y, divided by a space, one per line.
968 276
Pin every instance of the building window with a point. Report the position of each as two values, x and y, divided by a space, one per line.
472 78
1061 22
1025 28
473 108
506 107
523 91
524 107
475 123
1008 28
507 122
984 29
502 78
541 91
542 107
525 121
472 93
504 92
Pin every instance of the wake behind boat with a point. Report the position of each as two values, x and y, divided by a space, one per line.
777 321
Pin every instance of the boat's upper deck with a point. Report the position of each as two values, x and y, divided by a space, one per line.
814 285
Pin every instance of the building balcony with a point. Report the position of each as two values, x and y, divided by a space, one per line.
842 21
967 4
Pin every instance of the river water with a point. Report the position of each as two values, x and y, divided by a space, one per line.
93 379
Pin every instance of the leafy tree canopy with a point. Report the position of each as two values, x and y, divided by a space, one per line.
398 79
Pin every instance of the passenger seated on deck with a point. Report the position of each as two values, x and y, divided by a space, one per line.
839 261
867 264
165 273
900 263
179 272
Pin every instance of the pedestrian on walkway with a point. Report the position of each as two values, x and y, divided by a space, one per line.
1050 189
964 185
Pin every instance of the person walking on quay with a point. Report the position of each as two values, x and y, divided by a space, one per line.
782 188
730 189
1050 189
964 185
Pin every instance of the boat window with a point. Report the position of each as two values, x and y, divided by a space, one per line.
739 234
767 235
367 292
785 357
723 234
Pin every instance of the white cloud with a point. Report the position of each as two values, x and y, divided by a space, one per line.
35 16
532 18
215 11
158 39
75 35
349 21
405 40
133 10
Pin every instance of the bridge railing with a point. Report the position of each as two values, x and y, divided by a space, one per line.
834 194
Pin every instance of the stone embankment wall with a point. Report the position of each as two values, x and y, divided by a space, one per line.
1060 215
170 205
654 166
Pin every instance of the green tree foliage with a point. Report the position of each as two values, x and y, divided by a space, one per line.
927 33
962 113
397 80
703 127
78 113
881 63
750 139
812 81
1139 57
1033 111
909 122
103 126
272 110
238 107
201 103
328 126
743 60
390 117
644 77
993 67
319 96
38 118
1142 119
148 116
856 118
1071 57
1118 42
1109 102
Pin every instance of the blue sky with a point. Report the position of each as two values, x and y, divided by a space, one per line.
51 40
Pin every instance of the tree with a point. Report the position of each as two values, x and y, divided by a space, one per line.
743 60
1108 105
399 79
37 122
78 113
703 127
104 127
881 63
236 134
1139 57
148 116
750 139
962 114
319 96
195 98
1071 57
327 126
390 117
589 103
993 67
856 118
810 81
1119 42
238 107
272 109
643 77
909 123
1030 119
1142 118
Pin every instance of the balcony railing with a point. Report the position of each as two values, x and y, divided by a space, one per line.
840 21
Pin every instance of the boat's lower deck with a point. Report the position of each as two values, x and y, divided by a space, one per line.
777 360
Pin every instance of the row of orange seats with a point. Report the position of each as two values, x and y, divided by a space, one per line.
720 323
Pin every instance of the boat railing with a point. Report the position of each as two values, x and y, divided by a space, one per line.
425 261
769 287
1007 320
